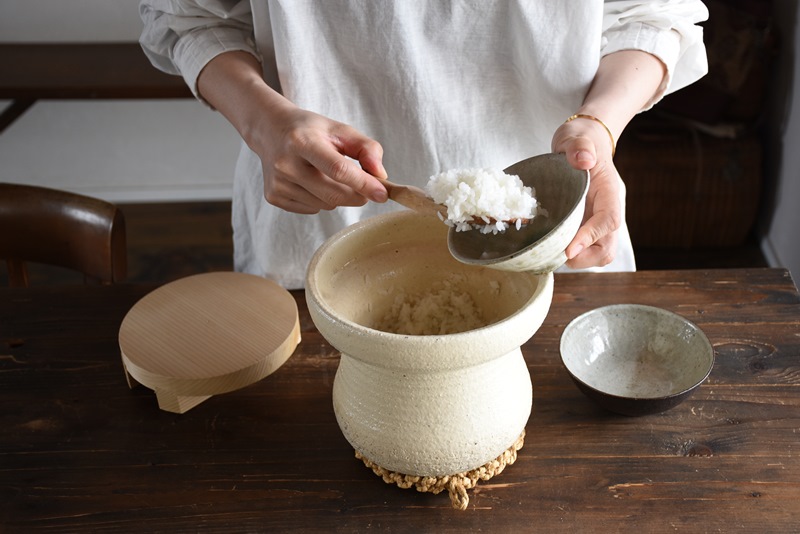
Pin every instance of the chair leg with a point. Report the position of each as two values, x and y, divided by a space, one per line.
17 273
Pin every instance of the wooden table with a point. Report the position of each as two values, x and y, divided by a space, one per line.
79 451
30 72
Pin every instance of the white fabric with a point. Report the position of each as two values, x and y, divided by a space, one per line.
441 85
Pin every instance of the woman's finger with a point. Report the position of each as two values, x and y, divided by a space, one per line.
337 158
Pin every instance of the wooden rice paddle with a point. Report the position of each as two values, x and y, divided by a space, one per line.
413 198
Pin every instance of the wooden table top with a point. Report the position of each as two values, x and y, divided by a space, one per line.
79 451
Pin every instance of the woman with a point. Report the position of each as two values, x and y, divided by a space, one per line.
328 95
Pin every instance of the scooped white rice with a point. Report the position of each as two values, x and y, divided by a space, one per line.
488 194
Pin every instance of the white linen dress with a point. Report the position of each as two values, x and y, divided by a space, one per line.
440 84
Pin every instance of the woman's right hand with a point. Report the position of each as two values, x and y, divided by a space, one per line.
310 162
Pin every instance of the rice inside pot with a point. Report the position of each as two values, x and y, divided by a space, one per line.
490 195
444 309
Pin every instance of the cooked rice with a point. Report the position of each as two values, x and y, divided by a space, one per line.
488 194
445 309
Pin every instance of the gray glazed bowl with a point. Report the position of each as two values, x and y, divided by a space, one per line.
636 360
537 247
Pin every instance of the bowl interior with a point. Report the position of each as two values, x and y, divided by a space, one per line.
370 272
636 351
560 190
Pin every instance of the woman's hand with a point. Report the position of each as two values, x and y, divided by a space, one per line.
310 163
588 147
625 83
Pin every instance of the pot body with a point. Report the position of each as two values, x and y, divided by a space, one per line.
428 405
432 424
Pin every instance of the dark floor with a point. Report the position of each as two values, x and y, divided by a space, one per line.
167 241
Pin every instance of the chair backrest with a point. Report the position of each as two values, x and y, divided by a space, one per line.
49 226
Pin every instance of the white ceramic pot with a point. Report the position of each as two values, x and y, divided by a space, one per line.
429 405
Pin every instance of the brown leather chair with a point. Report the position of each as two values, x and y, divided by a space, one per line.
49 226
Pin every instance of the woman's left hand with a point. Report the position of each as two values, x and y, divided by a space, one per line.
588 147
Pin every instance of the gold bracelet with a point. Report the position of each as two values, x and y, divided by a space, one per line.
593 118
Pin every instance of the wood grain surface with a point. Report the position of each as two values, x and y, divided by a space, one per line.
81 452
207 334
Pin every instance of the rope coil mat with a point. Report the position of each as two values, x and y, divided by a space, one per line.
456 485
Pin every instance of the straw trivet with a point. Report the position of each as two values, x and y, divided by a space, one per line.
456 485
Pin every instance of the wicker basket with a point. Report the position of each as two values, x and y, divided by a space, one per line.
687 189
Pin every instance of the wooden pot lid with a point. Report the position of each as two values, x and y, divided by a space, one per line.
207 334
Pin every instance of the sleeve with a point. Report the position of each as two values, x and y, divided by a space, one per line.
181 36
667 29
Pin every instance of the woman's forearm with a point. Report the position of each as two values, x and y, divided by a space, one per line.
233 85
305 157
625 83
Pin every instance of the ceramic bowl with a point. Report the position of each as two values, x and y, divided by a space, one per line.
426 404
537 247
634 359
